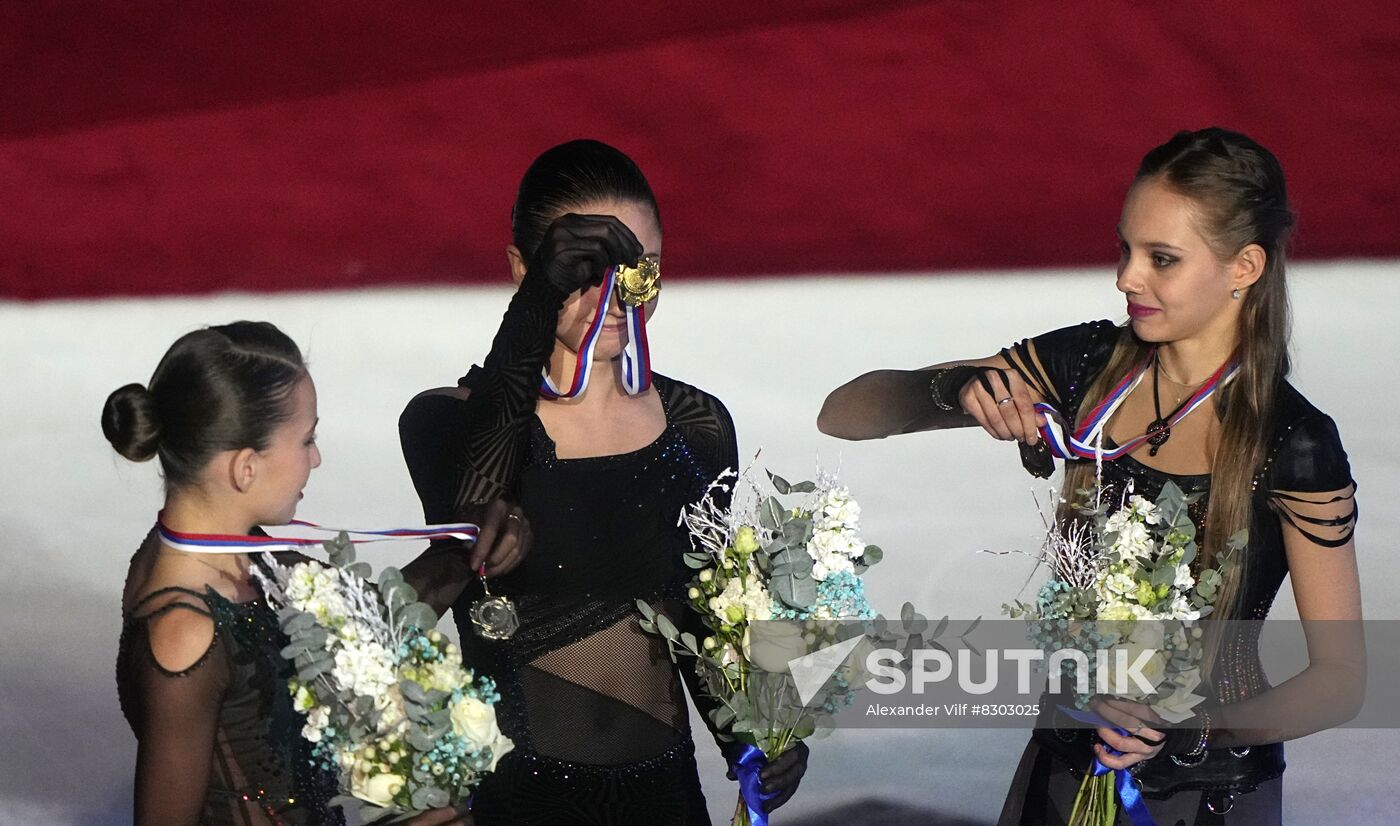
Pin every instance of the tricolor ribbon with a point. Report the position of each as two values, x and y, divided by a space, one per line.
1087 441
313 536
1129 793
636 357
747 767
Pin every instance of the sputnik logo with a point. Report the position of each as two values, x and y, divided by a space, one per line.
811 671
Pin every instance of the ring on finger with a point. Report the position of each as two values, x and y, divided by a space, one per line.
1006 400
517 517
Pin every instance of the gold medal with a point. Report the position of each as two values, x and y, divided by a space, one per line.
640 284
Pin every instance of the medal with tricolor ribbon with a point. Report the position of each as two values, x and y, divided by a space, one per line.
298 535
635 286
1086 442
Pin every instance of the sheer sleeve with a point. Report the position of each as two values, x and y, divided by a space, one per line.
1062 363
709 429
461 452
178 691
1310 484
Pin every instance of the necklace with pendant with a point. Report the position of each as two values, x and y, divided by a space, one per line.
1160 430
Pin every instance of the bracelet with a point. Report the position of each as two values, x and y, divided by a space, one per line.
1197 755
945 385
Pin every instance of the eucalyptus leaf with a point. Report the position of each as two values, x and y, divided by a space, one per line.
872 555
429 797
418 615
421 740
666 627
298 621
794 590
360 569
804 487
340 550
697 559
413 693
310 671
645 609
779 483
771 514
722 716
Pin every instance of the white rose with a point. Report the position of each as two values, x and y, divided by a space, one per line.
378 789
853 670
1145 637
1179 705
500 747
474 721
771 645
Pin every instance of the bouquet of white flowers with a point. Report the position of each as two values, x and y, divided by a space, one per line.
766 575
389 705
1122 591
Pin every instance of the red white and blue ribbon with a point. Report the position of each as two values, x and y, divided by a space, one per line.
1086 442
298 535
636 356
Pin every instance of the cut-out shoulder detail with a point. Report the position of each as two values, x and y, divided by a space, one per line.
180 636
1061 364
1327 518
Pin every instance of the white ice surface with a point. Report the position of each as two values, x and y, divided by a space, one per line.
71 511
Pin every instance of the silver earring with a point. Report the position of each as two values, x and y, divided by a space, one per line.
1235 294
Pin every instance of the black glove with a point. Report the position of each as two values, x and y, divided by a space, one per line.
782 775
577 249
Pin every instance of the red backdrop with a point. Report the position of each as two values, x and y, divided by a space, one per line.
177 147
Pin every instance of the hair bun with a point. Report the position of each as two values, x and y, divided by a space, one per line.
130 423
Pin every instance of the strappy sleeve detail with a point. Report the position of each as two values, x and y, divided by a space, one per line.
1310 483
1060 364
461 452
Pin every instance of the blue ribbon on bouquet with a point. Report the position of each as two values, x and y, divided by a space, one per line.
1129 794
749 763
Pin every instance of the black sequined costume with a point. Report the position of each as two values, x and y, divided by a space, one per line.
1305 470
260 770
594 704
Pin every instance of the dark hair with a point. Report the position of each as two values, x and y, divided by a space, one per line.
220 388
568 176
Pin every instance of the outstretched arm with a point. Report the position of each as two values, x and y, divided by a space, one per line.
986 392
